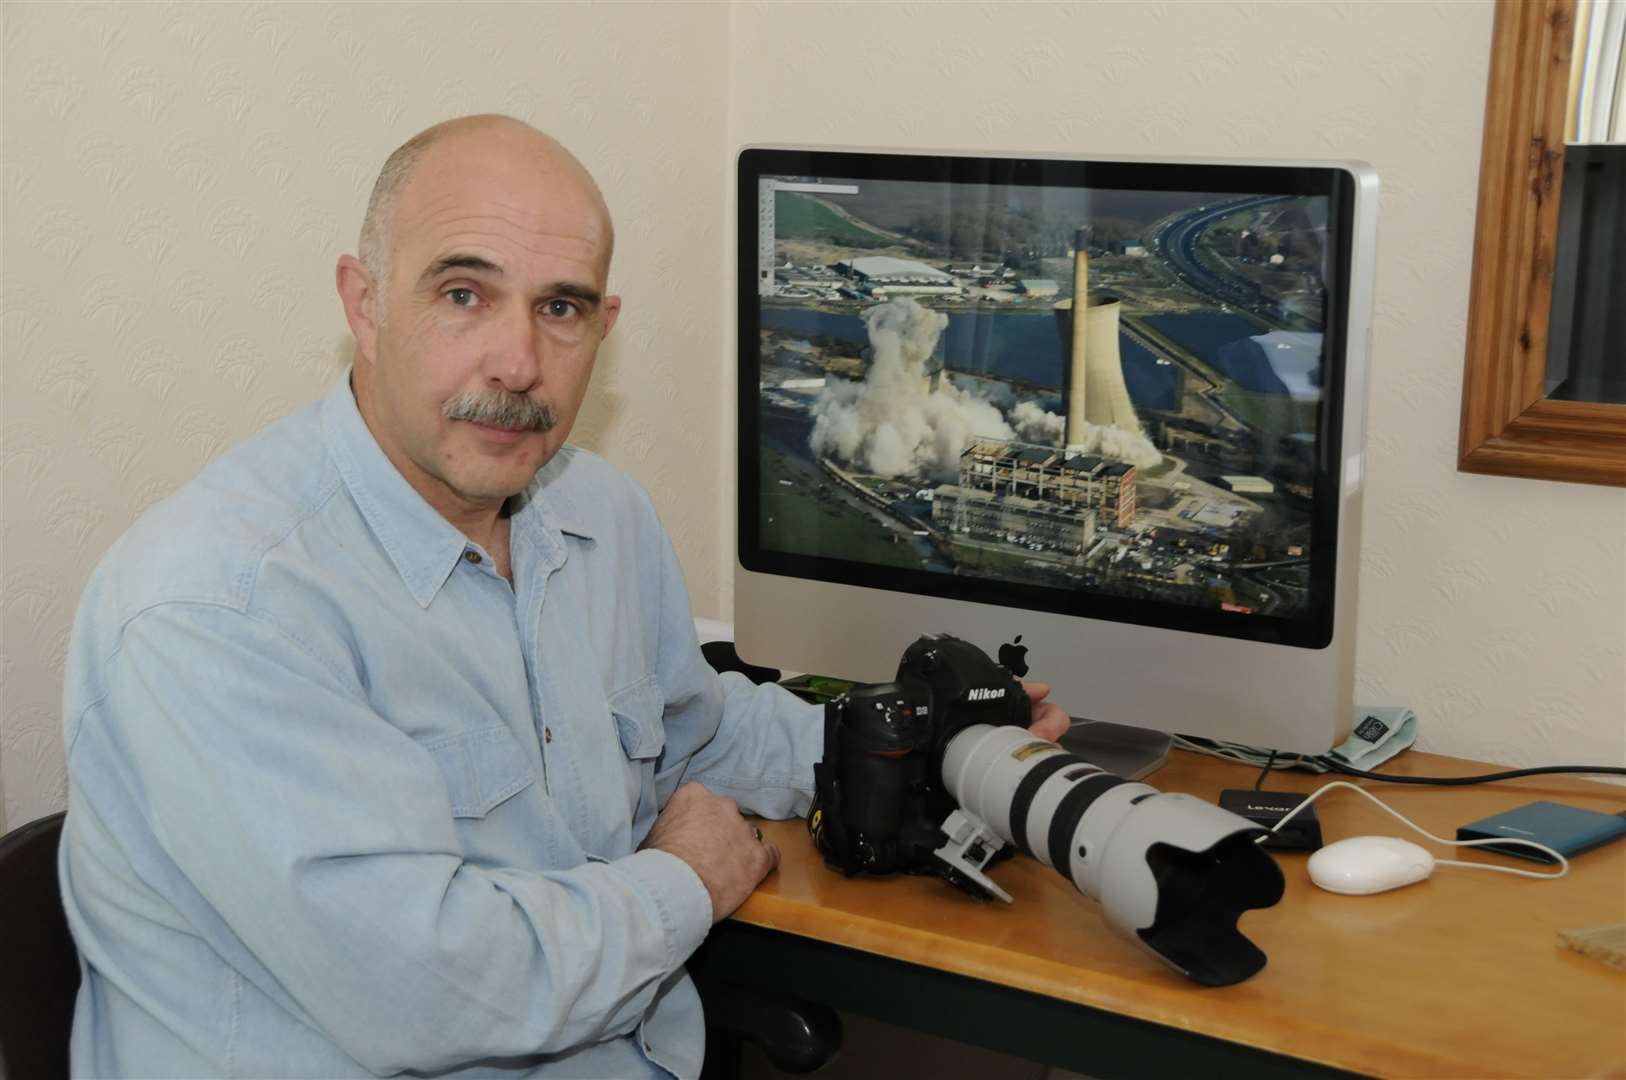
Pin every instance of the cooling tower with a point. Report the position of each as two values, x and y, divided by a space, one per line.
1105 395
1093 389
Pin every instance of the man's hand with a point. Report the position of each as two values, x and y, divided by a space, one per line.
1050 721
707 832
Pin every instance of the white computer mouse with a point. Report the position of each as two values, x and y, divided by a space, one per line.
1362 865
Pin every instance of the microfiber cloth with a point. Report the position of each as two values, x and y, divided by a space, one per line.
1379 733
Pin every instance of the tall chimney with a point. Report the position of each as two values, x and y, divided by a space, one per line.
1076 380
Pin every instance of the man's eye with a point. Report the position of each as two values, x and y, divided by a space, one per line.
559 309
461 297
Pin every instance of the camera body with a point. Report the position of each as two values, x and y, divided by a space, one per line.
881 804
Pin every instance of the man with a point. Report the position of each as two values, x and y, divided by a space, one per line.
391 746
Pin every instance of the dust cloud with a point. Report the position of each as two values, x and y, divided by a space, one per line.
894 424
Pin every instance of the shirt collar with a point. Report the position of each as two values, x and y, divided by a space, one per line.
547 502
422 544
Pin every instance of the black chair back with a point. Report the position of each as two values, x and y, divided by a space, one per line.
39 968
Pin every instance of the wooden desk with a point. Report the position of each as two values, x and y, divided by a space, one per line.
1461 975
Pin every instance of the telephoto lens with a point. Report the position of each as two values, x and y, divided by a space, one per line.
1172 873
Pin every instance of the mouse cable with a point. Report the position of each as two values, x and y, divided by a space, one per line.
1563 863
1337 766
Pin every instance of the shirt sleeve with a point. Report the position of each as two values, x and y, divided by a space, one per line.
318 833
755 744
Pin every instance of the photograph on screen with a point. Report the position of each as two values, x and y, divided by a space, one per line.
929 399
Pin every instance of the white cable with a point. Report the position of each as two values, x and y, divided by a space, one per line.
1563 863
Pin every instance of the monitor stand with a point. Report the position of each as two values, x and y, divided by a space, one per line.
1121 749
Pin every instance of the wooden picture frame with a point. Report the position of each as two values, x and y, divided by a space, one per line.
1509 427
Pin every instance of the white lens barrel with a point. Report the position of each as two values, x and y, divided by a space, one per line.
1040 815
1096 834
982 766
1124 844
1050 803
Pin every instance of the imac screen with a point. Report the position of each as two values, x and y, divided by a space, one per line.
924 408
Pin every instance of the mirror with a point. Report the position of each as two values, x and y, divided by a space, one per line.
1586 327
1511 426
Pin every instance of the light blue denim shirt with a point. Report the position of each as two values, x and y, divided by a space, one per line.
343 801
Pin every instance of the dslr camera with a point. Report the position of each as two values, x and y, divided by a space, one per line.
936 773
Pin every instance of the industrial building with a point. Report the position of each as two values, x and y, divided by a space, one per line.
1048 475
979 272
1247 485
1038 524
884 275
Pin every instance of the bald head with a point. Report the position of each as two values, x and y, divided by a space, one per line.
479 134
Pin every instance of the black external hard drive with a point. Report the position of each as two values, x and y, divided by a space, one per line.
1266 808
1568 830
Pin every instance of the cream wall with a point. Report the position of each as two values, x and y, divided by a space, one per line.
177 181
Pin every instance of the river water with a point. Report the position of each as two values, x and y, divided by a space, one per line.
1018 345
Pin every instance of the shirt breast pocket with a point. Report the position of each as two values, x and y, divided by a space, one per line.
483 769
638 710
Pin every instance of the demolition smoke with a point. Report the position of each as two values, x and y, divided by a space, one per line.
1114 443
900 421
1034 425
893 423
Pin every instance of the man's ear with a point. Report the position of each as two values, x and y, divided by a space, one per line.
612 311
359 295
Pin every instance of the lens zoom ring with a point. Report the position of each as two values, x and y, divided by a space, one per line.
1069 812
1028 787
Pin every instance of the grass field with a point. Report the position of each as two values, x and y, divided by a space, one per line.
797 519
797 217
1271 412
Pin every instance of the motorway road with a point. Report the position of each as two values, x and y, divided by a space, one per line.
1177 243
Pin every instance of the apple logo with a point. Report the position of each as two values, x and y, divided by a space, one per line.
1013 657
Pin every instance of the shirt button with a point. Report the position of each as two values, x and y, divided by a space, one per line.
472 555
547 734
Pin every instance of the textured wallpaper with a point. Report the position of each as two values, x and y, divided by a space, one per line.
177 183
177 180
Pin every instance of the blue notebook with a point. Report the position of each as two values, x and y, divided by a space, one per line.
1568 830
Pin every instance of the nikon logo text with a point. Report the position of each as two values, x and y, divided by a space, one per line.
983 693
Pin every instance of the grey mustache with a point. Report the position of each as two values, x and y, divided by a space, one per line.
516 412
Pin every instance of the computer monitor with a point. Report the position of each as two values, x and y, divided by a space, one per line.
1154 507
